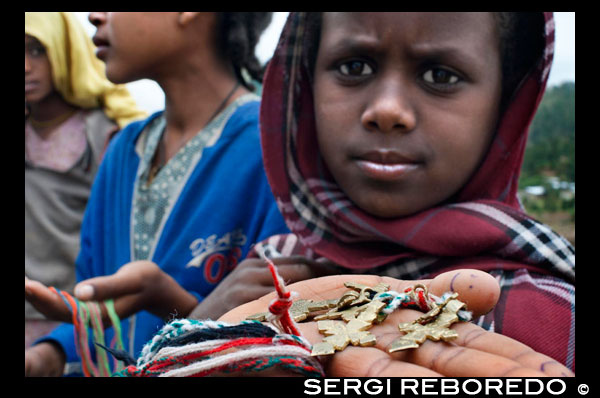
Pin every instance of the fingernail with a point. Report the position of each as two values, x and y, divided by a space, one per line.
84 292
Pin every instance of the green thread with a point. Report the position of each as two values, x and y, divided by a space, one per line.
85 354
116 323
98 330
90 312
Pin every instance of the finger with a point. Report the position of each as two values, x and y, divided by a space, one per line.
474 337
456 361
291 269
292 273
45 301
372 362
461 357
478 289
318 268
107 287
128 280
248 293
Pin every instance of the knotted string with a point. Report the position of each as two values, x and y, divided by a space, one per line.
279 307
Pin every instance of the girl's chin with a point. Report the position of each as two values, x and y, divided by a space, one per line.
386 209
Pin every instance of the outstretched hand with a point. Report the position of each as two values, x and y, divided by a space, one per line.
139 285
46 301
475 353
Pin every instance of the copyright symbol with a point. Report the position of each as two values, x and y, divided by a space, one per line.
583 389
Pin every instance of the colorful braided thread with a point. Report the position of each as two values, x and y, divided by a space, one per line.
416 298
83 314
192 348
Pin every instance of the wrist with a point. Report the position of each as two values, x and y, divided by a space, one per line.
49 359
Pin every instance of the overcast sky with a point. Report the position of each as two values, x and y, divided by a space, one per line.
150 97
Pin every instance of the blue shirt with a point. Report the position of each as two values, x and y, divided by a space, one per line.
223 208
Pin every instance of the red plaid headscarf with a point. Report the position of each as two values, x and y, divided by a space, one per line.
484 224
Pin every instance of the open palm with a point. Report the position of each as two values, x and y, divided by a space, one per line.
475 353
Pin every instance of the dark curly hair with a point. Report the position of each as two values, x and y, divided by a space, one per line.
521 43
237 34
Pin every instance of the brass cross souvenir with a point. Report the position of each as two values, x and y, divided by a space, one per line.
365 293
434 325
340 334
347 320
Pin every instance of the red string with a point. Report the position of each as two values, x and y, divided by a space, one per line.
280 307
422 300
73 303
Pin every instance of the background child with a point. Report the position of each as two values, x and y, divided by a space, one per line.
71 111
186 187
393 142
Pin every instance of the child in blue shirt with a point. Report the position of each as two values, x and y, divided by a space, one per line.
183 191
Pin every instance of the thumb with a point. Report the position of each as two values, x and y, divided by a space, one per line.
127 280
478 289
106 287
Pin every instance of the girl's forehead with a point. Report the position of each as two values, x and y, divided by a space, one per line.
411 26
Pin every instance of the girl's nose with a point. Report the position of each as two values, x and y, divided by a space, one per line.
389 110
97 18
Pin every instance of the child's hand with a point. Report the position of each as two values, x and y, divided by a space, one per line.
139 285
475 353
46 301
251 279
136 286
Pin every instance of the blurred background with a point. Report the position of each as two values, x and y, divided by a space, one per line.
547 182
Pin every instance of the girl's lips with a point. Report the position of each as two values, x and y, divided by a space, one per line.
385 171
101 46
30 86
386 164
101 52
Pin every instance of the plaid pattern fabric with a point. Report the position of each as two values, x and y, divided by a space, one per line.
530 241
540 300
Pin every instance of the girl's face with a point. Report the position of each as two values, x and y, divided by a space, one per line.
405 104
38 72
133 44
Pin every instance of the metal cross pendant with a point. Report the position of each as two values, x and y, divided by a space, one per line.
435 325
359 320
339 335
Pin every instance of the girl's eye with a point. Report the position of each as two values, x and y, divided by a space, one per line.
355 68
36 51
440 76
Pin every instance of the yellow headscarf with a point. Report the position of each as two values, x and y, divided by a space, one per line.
77 74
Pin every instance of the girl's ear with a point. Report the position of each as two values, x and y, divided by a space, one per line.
185 18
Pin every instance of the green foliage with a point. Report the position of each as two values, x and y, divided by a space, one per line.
551 146
551 152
